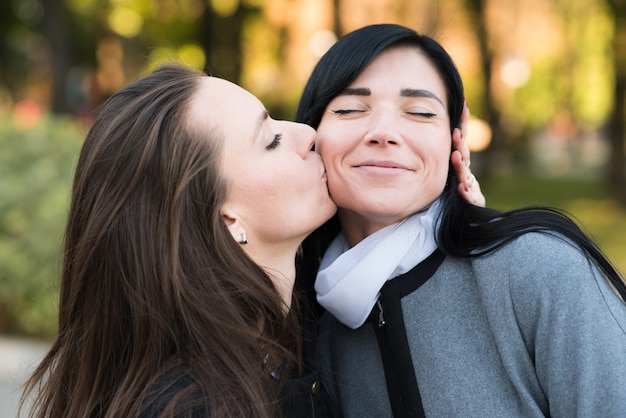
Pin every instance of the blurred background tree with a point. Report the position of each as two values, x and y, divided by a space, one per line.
545 81
617 129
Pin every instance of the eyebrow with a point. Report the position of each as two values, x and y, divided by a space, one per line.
259 123
364 91
420 93
359 91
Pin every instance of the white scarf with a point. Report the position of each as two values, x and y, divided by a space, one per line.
349 279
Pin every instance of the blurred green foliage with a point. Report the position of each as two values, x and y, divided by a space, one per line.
36 166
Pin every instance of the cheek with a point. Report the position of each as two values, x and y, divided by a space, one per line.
283 179
326 151
436 159
442 168
331 138
255 180
332 148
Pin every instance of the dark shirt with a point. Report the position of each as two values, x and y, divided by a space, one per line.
304 397
169 386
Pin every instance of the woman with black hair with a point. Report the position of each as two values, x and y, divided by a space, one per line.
441 308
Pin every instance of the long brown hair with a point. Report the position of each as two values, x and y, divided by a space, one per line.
153 283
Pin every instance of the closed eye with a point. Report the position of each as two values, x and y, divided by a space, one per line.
346 111
427 115
275 142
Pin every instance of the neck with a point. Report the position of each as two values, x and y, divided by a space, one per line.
357 226
278 261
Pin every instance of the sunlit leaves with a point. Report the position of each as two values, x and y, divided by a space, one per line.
224 8
81 6
189 54
125 21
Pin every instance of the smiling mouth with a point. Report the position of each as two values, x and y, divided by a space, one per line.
382 168
382 164
385 168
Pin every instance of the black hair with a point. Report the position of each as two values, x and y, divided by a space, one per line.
464 230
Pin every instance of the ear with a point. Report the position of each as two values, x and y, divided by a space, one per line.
232 221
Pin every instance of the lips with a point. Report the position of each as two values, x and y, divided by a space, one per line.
382 164
382 168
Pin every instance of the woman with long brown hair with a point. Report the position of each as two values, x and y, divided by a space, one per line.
188 207
179 178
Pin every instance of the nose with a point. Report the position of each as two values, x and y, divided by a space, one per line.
306 137
382 130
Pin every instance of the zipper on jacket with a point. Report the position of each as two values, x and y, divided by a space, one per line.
381 316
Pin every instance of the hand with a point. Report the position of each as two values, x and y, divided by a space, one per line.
468 188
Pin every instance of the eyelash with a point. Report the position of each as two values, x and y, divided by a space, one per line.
427 115
345 111
276 142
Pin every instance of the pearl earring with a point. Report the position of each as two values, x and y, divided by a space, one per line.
244 238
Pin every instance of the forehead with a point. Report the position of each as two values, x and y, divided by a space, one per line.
402 67
220 104
221 96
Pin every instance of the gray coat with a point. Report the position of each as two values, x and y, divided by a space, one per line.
530 330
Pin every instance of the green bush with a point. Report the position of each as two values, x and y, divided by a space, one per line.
36 167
